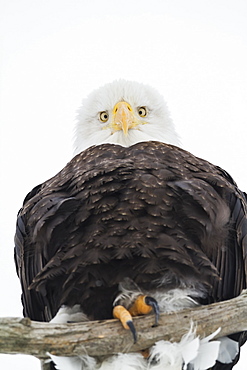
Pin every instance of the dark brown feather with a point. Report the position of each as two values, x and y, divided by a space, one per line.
142 212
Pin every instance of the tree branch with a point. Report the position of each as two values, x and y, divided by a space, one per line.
101 338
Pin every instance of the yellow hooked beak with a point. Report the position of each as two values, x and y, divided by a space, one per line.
123 118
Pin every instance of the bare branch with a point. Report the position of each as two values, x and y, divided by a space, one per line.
102 338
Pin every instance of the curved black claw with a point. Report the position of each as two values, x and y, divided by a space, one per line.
132 329
150 301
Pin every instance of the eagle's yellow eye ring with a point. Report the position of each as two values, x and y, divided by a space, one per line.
142 111
103 116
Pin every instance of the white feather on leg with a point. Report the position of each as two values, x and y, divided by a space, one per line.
199 354
124 361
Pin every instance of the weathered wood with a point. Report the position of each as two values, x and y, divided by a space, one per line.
101 338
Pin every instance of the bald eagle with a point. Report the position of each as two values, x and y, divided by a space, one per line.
132 217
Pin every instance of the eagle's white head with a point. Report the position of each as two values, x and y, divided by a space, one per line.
124 113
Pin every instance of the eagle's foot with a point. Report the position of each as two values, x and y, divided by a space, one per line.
142 305
120 313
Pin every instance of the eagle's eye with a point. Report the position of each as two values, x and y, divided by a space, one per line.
142 111
103 116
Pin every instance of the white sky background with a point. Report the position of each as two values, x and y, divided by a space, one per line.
54 52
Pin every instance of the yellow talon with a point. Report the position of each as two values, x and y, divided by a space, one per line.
144 305
140 306
120 313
